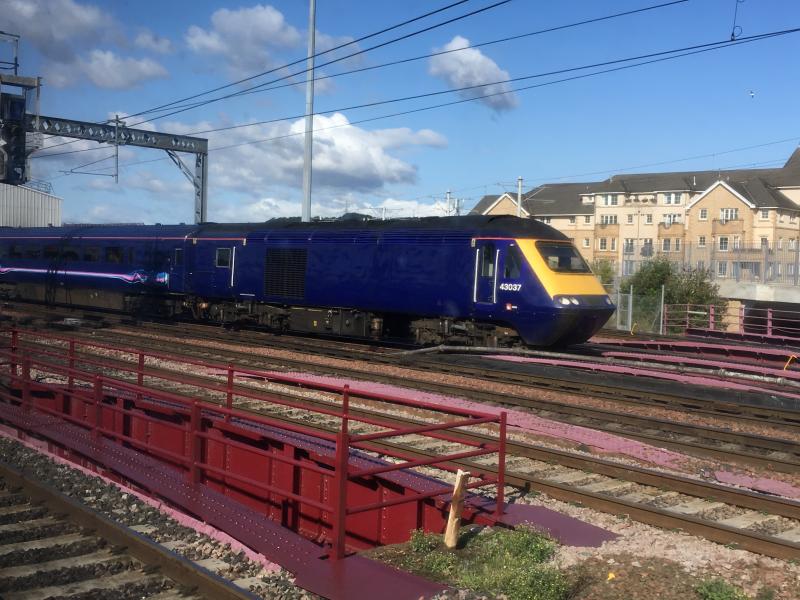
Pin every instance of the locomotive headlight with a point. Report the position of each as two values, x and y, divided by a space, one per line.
574 301
608 300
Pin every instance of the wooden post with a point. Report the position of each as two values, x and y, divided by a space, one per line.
456 506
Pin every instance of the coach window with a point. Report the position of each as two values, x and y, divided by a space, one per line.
131 256
70 253
114 254
3 251
487 260
178 262
15 251
223 258
33 252
512 264
91 254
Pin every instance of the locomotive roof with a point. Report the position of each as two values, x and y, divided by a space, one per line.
473 225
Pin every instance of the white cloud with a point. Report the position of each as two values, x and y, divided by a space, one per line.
56 27
345 157
244 37
471 67
155 43
107 70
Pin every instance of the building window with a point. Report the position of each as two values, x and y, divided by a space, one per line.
627 248
587 219
672 218
780 243
603 244
610 200
792 219
572 220
736 241
701 241
722 268
648 219
791 243
628 267
704 214
545 220
780 217
677 244
765 243
647 247
665 244
672 198
723 244
613 243
728 214
630 219
585 242
223 258
701 265
764 214
790 269
608 219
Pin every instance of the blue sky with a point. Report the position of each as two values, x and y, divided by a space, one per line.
102 58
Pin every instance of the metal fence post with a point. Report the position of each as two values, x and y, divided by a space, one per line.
340 480
499 508
741 318
663 312
26 382
14 350
229 399
194 444
98 407
630 309
769 321
70 378
711 317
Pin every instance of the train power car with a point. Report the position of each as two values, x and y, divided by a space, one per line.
474 280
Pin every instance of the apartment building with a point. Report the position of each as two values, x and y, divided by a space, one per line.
743 222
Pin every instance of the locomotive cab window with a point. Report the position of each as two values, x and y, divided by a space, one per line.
562 258
487 260
513 263
223 258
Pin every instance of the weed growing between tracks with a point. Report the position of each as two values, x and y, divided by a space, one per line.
488 561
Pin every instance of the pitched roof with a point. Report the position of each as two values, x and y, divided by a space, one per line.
757 185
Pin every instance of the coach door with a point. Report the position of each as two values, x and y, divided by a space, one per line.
177 269
484 287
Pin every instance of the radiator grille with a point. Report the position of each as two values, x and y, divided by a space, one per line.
285 272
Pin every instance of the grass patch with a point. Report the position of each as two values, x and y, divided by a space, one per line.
488 561
718 589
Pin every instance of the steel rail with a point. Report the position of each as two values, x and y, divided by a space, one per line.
611 418
173 566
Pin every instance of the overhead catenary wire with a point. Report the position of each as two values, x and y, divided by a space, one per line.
455 50
645 59
342 58
295 62
275 138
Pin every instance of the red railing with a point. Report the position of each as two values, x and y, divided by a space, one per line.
772 323
100 403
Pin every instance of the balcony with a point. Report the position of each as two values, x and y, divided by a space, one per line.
607 230
674 229
727 226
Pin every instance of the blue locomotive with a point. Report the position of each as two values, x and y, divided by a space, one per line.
473 280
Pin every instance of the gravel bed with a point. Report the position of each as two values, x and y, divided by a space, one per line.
127 509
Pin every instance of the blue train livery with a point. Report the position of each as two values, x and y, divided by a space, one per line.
472 280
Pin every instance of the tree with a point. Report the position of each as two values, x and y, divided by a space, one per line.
604 271
681 286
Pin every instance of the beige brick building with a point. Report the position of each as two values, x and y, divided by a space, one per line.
738 223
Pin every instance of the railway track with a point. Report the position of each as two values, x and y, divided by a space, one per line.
770 453
53 546
753 521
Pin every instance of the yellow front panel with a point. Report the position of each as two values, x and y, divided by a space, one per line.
559 284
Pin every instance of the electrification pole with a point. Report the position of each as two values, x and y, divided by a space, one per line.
519 196
309 139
